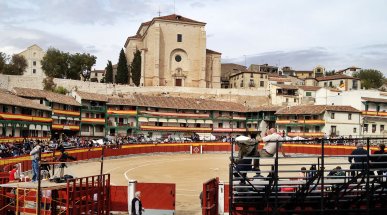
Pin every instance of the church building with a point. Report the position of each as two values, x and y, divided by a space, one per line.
173 53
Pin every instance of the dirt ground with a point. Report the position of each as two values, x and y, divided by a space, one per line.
188 172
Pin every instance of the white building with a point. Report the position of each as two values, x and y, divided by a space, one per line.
349 71
308 94
34 55
319 120
281 94
341 82
97 75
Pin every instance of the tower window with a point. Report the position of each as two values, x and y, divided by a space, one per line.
179 38
34 63
178 58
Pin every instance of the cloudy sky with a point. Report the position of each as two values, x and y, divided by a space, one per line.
297 33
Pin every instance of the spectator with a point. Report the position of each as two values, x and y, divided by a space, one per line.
302 174
14 174
137 208
358 156
35 161
63 158
247 147
380 162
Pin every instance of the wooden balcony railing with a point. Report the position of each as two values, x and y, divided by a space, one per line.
93 120
174 128
301 121
122 112
66 112
373 113
21 117
305 134
180 115
65 127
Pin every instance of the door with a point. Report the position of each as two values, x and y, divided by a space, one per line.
178 82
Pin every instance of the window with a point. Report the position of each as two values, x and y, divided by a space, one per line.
34 71
317 128
261 83
325 84
179 38
349 116
333 130
177 58
241 83
34 63
220 125
366 107
378 108
354 130
330 84
332 115
197 125
95 74
85 128
99 128
381 128
373 128
308 93
261 75
354 84
238 125
365 127
287 100
251 75
295 100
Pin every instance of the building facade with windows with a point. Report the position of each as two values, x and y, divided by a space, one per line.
34 55
319 121
65 111
249 80
374 112
22 119
341 82
173 53
93 113
284 95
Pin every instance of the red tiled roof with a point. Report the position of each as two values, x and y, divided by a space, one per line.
43 94
314 109
177 103
209 51
10 99
380 100
284 86
267 108
335 77
92 96
309 88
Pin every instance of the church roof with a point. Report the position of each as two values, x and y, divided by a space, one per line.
209 51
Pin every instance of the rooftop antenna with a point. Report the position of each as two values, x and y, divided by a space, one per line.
159 12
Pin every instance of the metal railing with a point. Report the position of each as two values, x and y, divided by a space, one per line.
330 185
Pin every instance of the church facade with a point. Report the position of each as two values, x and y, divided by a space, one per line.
173 53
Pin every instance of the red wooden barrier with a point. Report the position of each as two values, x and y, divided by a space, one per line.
157 196
119 198
210 197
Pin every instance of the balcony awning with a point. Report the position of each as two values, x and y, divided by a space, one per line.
45 128
208 122
163 120
17 125
76 119
32 127
181 120
200 121
54 117
152 119
172 120
143 119
62 117
190 121
70 118
38 127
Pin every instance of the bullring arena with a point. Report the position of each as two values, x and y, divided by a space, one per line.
172 176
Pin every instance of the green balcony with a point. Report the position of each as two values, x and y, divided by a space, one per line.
94 108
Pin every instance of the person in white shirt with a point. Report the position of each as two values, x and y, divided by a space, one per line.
270 147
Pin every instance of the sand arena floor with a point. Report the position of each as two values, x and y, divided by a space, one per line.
188 172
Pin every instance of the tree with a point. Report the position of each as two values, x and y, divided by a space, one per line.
49 84
55 63
109 72
135 68
58 64
3 61
18 65
328 73
60 90
122 69
12 66
370 78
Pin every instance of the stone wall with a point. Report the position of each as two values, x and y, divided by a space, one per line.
252 97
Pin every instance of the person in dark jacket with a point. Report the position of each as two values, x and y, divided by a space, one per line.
359 161
64 157
137 208
380 162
